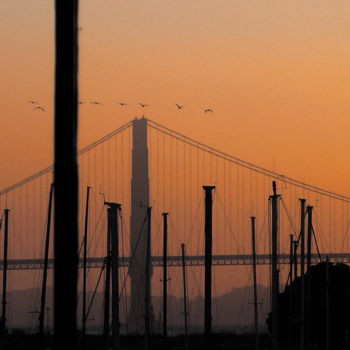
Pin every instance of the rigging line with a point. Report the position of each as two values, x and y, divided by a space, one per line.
344 236
318 251
123 258
51 167
195 220
289 218
251 166
226 220
132 257
96 225
95 290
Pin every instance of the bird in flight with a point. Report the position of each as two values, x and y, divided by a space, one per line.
123 104
96 103
39 108
32 102
208 110
179 106
143 104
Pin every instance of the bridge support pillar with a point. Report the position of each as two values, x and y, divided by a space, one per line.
138 228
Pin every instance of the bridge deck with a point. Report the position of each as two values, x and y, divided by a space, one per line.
173 261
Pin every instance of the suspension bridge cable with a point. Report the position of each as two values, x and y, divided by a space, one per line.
245 164
318 251
132 257
289 218
82 151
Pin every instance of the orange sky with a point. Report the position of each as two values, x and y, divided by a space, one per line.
275 73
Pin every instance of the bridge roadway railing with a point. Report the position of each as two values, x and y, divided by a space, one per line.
173 261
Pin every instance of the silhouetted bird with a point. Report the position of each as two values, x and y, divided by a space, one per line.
96 103
32 102
143 105
123 104
179 106
40 108
208 110
81 102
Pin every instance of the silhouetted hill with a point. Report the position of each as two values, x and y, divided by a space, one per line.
232 311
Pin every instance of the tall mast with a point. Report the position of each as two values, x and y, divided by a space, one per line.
4 275
165 277
291 316
66 174
208 260
275 278
185 293
147 280
308 270
114 233
84 266
46 258
255 287
107 286
302 274
328 320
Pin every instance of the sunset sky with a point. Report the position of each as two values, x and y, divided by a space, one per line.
276 74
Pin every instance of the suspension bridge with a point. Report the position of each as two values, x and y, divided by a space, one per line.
143 164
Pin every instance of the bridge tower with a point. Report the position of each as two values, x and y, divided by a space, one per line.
139 204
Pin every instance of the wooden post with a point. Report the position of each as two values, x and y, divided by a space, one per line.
65 174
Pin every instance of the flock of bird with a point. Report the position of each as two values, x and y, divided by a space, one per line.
123 104
37 107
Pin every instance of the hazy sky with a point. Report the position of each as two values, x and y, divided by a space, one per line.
276 74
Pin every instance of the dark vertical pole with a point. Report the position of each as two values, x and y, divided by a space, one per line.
84 267
295 246
308 264
291 312
4 274
185 293
302 274
165 277
46 258
114 233
208 261
309 237
255 288
275 279
107 286
147 281
327 305
66 174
